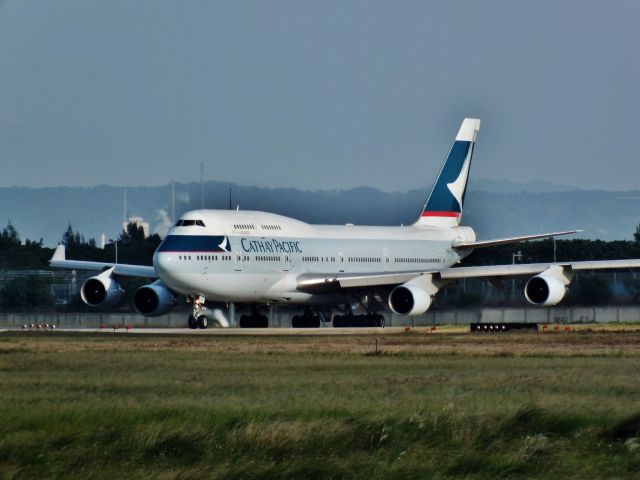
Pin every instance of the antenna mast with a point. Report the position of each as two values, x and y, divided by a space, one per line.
201 185
173 201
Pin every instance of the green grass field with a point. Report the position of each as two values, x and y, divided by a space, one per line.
111 406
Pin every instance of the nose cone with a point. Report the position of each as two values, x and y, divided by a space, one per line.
175 274
167 268
164 261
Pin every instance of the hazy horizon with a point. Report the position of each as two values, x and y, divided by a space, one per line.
474 184
328 95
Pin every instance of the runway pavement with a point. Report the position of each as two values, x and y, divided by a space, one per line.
242 331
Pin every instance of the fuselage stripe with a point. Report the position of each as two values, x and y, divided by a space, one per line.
192 251
194 243
441 214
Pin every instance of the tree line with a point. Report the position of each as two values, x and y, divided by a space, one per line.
33 292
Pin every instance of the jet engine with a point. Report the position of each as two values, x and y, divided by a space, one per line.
413 297
547 288
153 300
101 290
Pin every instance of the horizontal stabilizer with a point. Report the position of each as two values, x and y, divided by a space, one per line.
506 241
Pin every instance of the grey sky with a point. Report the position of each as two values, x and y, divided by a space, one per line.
325 94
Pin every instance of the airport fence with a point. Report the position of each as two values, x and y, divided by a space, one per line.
282 318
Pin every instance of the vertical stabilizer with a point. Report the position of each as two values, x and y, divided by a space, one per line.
444 205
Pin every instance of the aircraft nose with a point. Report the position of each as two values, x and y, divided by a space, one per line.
163 261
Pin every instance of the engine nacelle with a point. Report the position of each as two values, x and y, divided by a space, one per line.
101 290
413 297
153 300
547 288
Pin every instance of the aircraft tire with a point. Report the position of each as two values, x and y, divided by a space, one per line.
203 322
192 322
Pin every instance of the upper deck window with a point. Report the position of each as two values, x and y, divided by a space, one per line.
189 223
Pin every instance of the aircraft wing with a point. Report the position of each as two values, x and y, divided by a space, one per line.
318 283
533 268
59 261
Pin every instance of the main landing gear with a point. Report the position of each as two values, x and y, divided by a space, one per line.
370 303
310 319
197 319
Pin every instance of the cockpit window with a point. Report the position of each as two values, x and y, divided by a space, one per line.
189 223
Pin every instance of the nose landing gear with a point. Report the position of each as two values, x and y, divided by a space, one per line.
197 319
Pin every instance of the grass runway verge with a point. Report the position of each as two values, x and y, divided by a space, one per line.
533 405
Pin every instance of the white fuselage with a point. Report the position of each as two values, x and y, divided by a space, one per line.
256 257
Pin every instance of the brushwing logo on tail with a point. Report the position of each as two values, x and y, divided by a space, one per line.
225 245
447 197
444 205
459 186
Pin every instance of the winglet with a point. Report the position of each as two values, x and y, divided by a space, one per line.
444 205
59 254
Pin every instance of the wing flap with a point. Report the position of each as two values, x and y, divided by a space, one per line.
319 283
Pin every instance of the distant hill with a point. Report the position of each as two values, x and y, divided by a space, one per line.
507 186
493 208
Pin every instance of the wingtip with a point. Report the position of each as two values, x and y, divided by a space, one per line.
59 254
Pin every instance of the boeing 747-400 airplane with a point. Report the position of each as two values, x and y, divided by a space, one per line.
255 258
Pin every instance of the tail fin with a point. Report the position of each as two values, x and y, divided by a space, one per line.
444 205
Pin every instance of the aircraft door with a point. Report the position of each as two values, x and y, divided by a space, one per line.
385 259
340 260
237 261
286 262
